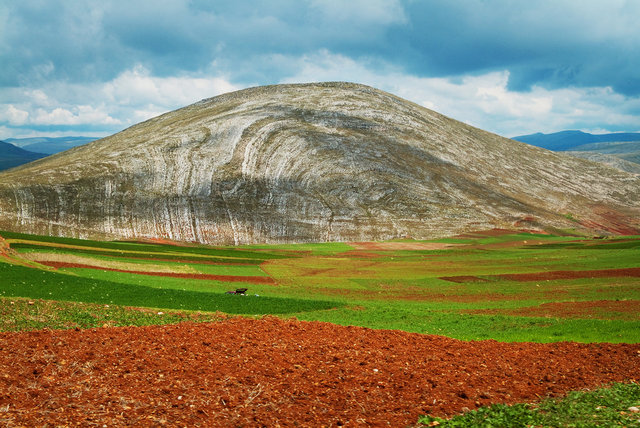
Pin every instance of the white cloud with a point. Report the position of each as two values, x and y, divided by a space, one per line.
483 100
133 96
14 115
78 115
38 97
139 87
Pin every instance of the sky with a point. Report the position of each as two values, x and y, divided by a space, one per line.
513 67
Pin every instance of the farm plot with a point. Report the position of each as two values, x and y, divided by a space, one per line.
505 286
269 372
496 285
132 274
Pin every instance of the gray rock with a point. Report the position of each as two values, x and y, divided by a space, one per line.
311 162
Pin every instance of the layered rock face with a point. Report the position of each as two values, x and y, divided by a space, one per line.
310 162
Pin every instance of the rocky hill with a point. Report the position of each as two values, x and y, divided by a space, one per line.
616 161
311 162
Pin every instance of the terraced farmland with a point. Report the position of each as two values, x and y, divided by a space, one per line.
506 286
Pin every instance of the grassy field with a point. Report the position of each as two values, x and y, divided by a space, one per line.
602 407
508 287
492 285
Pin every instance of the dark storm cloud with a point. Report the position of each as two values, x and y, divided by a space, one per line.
96 40
546 44
553 44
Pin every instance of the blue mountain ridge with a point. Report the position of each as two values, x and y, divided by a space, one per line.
568 140
12 156
49 145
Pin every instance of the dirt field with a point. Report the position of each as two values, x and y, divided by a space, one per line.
270 372
226 278
552 275
396 246
599 309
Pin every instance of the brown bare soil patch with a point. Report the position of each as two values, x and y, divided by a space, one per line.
550 275
190 261
271 372
600 309
46 258
159 241
420 295
361 254
225 278
612 221
463 278
10 255
395 246
571 274
4 249
488 233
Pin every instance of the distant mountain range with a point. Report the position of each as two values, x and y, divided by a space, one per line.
621 150
11 156
49 145
570 140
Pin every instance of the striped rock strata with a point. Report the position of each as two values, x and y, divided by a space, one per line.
310 162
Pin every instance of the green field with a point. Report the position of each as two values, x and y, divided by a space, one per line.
469 287
492 285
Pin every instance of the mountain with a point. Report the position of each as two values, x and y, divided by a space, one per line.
49 145
612 160
11 156
311 162
620 150
627 150
569 140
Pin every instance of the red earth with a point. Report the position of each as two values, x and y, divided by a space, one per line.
226 278
190 261
606 219
273 372
571 274
551 275
599 309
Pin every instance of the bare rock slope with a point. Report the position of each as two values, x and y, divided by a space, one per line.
310 162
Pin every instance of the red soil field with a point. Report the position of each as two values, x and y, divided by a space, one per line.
571 274
612 221
551 275
4 248
190 261
397 246
491 232
463 278
226 278
273 372
602 309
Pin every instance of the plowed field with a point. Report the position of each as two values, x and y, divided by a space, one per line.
270 372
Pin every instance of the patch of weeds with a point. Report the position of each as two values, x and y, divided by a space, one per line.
21 314
602 407
19 281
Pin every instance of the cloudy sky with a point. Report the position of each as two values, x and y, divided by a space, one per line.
508 66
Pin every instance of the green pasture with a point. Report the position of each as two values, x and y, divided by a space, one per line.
406 289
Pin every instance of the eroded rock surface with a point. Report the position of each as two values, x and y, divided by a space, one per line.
311 162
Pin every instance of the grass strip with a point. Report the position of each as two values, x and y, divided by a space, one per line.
598 408
23 314
195 249
19 281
